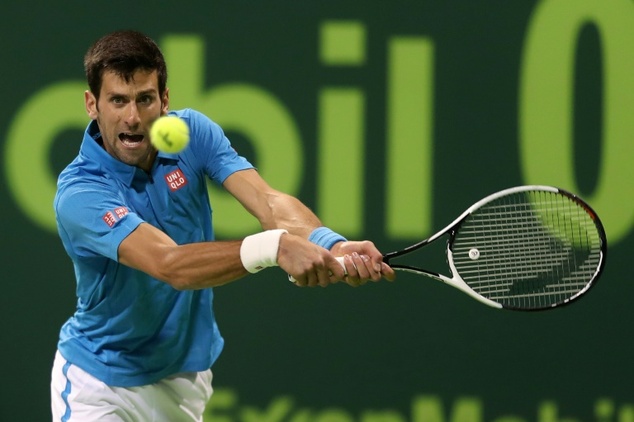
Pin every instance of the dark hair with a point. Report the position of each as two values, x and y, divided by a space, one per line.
123 52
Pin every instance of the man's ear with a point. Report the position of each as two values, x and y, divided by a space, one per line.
91 105
165 102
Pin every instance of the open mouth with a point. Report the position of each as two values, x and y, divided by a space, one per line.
130 139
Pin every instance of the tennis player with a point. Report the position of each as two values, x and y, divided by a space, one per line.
137 226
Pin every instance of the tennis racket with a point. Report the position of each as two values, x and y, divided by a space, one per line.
524 248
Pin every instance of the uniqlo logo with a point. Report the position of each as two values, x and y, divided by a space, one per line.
112 217
109 218
175 180
121 212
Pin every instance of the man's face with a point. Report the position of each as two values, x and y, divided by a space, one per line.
125 112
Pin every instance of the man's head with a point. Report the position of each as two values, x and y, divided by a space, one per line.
127 76
123 52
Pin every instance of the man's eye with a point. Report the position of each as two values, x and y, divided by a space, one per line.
145 99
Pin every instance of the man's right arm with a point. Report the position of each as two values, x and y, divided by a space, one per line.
190 266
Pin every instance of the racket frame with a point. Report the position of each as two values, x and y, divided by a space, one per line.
457 282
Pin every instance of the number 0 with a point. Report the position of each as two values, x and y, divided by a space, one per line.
546 103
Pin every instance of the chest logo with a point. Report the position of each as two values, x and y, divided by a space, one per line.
176 180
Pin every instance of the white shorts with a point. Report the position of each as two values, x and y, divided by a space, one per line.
78 396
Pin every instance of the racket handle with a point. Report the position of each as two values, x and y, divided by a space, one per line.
339 260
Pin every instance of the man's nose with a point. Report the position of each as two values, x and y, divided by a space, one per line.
132 117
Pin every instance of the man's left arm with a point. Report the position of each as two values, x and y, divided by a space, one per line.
277 210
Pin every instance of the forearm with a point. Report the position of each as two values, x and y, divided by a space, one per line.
272 208
190 266
288 213
201 265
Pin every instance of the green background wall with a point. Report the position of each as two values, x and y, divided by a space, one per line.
341 103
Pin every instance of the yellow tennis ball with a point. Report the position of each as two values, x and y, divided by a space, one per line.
169 134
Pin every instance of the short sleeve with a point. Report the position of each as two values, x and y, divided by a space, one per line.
93 222
210 143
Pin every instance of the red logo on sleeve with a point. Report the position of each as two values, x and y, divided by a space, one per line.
121 212
111 217
175 180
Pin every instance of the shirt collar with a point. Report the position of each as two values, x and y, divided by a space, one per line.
92 149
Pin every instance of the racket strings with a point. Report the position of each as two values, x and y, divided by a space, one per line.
528 249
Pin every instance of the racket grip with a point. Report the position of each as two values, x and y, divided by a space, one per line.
339 260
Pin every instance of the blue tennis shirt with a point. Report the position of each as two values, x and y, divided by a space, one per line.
130 329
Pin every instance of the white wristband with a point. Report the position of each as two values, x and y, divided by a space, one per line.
259 250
